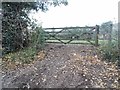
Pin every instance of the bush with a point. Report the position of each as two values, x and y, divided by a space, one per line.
38 38
110 52
23 56
27 54
19 58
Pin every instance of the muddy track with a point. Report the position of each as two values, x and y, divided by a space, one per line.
65 66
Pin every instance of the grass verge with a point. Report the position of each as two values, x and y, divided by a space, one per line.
21 58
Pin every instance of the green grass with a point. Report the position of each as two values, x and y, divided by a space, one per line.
105 42
101 42
24 56
74 41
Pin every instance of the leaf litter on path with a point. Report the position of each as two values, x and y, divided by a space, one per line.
75 66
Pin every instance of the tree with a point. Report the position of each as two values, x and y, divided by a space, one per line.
15 22
106 30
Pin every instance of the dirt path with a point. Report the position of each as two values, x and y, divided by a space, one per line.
66 66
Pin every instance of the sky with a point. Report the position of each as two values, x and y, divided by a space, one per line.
79 13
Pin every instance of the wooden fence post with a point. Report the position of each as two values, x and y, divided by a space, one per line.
96 35
110 35
119 43
119 34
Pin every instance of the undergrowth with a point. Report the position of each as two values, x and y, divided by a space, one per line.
109 52
26 55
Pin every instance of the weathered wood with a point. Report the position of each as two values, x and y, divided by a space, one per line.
96 36
60 40
119 43
119 33
55 33
92 27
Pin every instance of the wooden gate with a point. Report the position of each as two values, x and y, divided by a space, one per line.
68 35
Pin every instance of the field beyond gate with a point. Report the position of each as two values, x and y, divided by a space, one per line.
76 35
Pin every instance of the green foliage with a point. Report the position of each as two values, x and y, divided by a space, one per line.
24 56
110 53
105 30
28 54
109 44
43 4
15 22
105 27
19 45
38 38
14 25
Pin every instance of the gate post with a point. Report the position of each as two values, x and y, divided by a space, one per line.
96 35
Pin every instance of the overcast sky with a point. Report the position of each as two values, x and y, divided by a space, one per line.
79 13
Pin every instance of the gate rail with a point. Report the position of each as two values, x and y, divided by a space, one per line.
52 33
